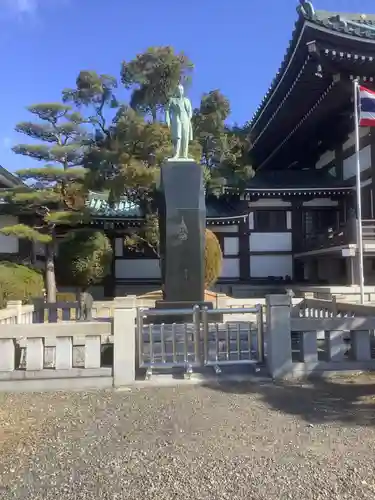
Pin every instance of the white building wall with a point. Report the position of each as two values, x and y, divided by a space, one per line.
231 246
363 132
231 268
271 242
224 229
325 158
271 203
8 244
349 166
321 202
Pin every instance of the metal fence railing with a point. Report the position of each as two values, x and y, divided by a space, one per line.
202 340
232 342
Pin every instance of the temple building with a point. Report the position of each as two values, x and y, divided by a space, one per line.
295 222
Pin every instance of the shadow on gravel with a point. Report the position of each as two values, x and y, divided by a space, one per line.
351 402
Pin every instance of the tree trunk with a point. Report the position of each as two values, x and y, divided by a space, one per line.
50 272
154 115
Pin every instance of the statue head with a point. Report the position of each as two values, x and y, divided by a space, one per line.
179 90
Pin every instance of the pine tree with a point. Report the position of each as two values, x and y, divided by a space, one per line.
53 193
153 76
224 148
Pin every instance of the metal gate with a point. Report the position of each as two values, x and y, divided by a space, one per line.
200 342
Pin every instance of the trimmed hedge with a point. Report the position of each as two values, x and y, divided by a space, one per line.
18 282
213 258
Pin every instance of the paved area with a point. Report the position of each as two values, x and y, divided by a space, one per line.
219 441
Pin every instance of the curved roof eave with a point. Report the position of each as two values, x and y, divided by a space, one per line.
300 26
297 34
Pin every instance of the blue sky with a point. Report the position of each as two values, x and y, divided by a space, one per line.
236 46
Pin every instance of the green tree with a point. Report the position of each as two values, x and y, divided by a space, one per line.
148 235
130 141
209 126
85 258
152 77
235 165
53 194
224 148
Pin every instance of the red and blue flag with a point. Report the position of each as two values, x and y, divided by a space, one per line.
366 107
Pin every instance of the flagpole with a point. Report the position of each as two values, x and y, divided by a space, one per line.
359 194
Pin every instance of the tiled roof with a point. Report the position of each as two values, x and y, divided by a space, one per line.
100 208
358 25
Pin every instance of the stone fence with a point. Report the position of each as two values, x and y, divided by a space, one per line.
26 361
319 308
300 339
42 312
316 337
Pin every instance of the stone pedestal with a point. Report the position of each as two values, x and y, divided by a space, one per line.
182 223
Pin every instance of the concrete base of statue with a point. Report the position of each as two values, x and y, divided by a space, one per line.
182 222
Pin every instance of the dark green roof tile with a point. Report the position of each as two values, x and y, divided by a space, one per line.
99 206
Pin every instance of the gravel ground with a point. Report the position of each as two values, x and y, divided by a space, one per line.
219 441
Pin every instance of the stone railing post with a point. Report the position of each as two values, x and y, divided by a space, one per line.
279 349
128 301
124 348
16 306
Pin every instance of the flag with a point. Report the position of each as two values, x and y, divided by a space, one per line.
366 107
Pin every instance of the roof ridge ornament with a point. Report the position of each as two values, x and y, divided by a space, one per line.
306 9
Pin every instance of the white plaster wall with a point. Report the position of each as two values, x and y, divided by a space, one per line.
363 131
325 158
8 244
267 202
321 202
262 266
231 246
260 242
349 166
231 268
224 229
137 268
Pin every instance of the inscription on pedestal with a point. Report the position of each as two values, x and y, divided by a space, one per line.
182 223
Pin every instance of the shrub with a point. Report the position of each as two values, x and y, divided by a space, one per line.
84 258
213 258
18 282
